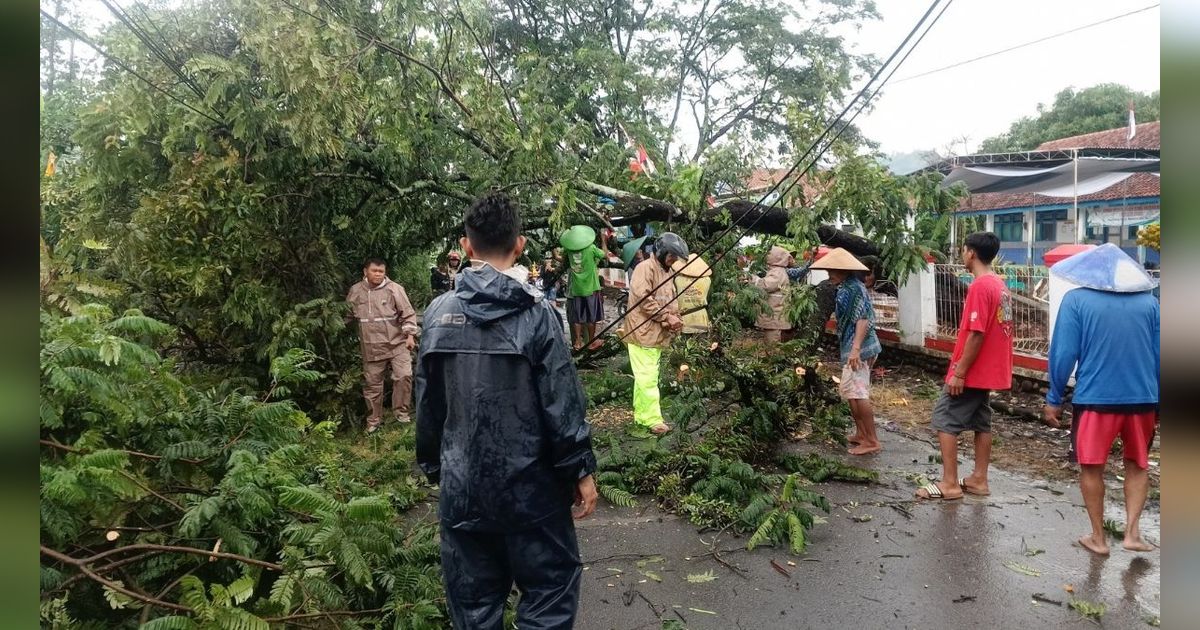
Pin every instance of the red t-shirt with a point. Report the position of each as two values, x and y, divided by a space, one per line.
988 309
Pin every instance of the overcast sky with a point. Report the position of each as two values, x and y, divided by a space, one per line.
982 98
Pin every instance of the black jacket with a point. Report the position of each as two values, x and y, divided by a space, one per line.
501 415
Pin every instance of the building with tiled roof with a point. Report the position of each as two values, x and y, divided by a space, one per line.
1030 224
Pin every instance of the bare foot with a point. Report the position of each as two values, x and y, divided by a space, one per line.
1094 544
854 439
578 346
970 486
660 428
1135 543
596 345
866 449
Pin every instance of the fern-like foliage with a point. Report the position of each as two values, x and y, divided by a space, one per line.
617 496
132 452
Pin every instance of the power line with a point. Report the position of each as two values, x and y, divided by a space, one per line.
122 65
815 159
1029 43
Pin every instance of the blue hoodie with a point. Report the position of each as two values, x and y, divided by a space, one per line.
1114 340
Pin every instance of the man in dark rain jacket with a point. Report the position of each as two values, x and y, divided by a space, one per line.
501 426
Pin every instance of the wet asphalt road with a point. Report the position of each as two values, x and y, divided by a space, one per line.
943 565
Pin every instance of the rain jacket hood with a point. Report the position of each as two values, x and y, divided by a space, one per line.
488 295
773 283
778 257
501 416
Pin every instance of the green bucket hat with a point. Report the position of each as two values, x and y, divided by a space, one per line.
630 249
577 238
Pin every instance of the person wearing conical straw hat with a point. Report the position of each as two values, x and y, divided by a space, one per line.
692 283
857 342
774 323
1107 333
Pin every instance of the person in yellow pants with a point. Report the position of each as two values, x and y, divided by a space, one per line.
650 324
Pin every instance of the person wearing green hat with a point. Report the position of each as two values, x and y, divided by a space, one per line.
585 306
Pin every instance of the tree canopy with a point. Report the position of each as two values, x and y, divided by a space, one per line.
227 167
1073 113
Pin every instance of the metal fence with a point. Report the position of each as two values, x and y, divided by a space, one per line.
887 311
1027 285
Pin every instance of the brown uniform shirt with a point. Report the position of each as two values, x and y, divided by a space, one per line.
385 318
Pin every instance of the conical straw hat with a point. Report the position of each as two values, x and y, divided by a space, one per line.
693 268
839 258
1105 268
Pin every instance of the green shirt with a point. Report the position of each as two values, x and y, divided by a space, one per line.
584 280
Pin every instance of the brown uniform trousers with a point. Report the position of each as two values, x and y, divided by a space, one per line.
402 383
386 319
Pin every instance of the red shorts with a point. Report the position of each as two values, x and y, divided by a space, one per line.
1097 432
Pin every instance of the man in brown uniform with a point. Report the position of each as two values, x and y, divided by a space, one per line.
387 327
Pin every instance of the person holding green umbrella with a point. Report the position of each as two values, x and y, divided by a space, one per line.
585 305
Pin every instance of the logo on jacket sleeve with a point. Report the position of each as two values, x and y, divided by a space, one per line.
453 319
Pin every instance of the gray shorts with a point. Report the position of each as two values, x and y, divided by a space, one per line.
968 411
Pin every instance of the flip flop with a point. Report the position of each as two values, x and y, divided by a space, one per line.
963 484
935 493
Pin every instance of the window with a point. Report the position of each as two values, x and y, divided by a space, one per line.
1009 227
1133 230
1047 224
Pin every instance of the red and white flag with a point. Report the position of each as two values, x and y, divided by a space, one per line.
644 162
641 163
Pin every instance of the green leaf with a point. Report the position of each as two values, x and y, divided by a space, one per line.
370 509
172 622
241 589
701 578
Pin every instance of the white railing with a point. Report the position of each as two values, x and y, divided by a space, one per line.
1027 285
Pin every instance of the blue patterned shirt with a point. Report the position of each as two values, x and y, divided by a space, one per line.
854 304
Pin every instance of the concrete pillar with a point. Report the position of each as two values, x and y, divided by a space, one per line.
1030 234
1058 289
989 222
918 309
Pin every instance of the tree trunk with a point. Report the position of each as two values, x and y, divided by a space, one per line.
632 208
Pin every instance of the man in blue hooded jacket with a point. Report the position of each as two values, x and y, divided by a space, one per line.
501 426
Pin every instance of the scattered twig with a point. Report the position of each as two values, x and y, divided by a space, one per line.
902 510
963 598
162 548
1046 600
780 569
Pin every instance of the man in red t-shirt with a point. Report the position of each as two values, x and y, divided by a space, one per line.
981 362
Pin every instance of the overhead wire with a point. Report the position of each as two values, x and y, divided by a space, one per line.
1026 44
758 205
124 66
